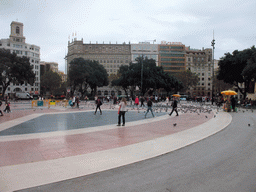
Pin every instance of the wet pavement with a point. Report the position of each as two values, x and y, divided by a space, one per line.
63 133
70 121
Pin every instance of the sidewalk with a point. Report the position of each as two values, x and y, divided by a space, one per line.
61 156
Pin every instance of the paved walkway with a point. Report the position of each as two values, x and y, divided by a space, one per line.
35 159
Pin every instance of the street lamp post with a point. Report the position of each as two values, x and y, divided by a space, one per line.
141 74
213 43
142 66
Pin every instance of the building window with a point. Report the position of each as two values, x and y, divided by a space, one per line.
17 30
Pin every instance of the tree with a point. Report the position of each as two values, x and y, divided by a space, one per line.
249 72
14 69
111 78
50 81
220 85
171 83
98 76
79 71
231 67
123 80
153 76
86 73
188 79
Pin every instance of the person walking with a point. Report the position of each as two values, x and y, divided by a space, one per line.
149 104
137 102
142 102
233 103
86 99
115 100
122 110
174 106
73 101
7 106
0 109
77 101
98 104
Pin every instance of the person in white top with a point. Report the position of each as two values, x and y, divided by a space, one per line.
122 110
73 101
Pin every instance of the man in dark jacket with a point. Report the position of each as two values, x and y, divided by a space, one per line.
174 106
98 104
233 103
149 103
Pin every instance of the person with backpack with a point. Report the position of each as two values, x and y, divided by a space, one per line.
98 104
149 104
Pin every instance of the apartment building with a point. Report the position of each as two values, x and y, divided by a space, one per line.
146 50
46 66
172 57
17 43
63 76
111 56
200 62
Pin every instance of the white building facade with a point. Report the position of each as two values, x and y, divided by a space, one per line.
144 49
17 43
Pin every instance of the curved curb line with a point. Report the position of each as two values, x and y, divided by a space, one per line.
28 175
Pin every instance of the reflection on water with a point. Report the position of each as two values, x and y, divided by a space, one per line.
69 121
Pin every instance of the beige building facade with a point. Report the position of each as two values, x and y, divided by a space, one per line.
200 62
63 76
174 57
111 56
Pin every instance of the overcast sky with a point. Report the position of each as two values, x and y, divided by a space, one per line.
49 23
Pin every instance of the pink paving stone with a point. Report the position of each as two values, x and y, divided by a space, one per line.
17 152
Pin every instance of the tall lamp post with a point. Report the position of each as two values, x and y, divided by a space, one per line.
213 43
142 74
142 66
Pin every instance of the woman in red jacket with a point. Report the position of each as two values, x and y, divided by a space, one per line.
137 101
